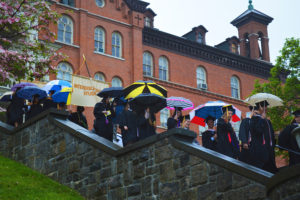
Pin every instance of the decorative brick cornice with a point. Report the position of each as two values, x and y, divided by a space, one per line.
158 39
196 91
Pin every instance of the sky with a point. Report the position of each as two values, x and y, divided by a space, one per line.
178 17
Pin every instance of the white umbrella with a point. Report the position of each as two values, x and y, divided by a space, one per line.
273 100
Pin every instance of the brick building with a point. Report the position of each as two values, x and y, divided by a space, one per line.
121 45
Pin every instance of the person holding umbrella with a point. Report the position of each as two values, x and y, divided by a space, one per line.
262 139
227 141
35 107
146 123
15 110
176 119
48 102
287 140
209 137
104 113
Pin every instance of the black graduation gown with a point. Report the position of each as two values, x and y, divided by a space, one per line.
261 150
173 123
146 127
49 103
16 110
103 125
206 140
287 140
78 118
227 142
244 134
128 118
34 110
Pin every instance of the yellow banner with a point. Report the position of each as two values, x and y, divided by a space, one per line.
85 91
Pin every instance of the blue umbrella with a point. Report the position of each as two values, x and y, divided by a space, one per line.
28 91
56 85
111 92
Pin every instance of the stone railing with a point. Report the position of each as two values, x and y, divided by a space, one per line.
164 166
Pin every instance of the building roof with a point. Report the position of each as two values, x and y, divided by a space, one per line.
251 15
137 5
158 39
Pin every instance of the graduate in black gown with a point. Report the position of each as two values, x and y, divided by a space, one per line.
287 140
262 139
146 124
104 113
128 126
78 117
227 141
245 137
176 120
16 110
209 137
48 102
35 108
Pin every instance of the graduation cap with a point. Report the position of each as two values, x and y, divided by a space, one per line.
227 108
262 104
209 118
296 113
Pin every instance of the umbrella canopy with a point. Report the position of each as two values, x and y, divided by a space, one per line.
152 101
179 102
21 85
56 85
28 92
213 109
273 100
63 96
6 96
111 92
144 87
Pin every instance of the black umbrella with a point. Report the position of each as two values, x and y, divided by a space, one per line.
148 100
111 92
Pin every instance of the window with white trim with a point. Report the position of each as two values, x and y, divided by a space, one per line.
64 72
99 40
116 45
164 115
65 30
163 68
116 82
68 2
99 77
147 64
235 87
201 78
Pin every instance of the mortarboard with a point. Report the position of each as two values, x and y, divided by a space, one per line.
209 118
227 108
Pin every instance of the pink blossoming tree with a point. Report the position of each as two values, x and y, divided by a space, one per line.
22 53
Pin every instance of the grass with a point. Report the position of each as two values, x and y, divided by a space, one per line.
18 182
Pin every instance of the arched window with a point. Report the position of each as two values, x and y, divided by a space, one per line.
247 45
68 2
147 64
99 40
164 115
235 87
116 45
260 45
116 82
200 38
64 72
65 30
100 3
99 76
234 48
163 68
201 78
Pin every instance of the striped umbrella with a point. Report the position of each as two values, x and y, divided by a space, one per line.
144 87
63 96
179 102
56 85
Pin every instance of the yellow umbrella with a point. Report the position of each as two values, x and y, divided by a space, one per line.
144 87
63 96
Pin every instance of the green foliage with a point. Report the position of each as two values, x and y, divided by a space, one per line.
289 92
19 182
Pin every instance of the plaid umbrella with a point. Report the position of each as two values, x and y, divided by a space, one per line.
144 87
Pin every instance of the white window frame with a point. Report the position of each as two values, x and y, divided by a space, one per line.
201 75
164 115
99 39
116 45
147 64
64 31
235 87
116 82
163 64
147 22
99 77
65 73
